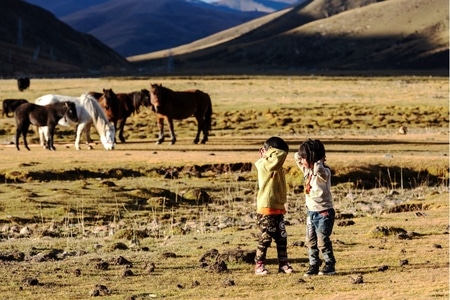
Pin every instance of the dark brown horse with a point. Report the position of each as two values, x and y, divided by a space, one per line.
169 105
118 107
10 105
47 115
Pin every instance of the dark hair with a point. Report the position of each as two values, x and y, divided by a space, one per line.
276 142
312 150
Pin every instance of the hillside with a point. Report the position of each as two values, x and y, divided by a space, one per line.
322 35
141 26
35 42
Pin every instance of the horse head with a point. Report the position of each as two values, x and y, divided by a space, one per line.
108 138
71 112
110 103
156 91
145 98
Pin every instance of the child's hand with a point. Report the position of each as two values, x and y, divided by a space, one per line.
262 151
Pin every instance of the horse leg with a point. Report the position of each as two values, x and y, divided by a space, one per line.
172 132
24 135
205 132
80 129
50 133
42 137
161 131
199 129
19 131
87 131
121 126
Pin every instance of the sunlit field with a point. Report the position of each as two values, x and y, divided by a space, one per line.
140 221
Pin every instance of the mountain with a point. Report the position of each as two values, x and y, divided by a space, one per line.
33 42
140 26
256 5
321 35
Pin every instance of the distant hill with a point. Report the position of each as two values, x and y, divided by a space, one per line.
33 42
140 26
267 6
321 35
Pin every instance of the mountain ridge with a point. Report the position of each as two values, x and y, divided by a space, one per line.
338 35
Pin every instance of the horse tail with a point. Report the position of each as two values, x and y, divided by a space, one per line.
208 115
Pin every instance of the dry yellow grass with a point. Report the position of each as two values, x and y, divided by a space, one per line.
81 195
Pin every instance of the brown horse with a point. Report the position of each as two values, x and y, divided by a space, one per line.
10 105
118 107
169 105
47 115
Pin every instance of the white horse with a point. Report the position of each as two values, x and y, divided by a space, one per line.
89 113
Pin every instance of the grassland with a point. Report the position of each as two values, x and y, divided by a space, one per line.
69 218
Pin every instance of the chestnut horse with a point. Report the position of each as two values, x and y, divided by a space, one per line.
48 115
118 107
169 105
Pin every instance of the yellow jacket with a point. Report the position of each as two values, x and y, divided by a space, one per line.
271 180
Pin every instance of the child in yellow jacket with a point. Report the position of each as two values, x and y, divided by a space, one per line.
270 202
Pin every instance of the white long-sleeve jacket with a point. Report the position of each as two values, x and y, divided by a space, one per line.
319 197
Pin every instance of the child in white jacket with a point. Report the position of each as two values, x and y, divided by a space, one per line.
310 159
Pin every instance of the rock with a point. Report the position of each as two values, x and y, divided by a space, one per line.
99 290
358 279
403 130
382 268
228 282
30 281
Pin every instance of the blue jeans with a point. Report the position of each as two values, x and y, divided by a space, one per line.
319 226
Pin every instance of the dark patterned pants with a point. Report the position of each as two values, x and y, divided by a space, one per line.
271 227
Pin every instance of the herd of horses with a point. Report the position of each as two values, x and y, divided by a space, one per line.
107 112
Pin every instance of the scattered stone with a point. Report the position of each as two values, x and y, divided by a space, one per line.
150 268
14 256
238 255
108 183
169 255
404 262
77 272
219 267
208 258
228 282
301 280
122 261
102 265
180 286
403 130
127 272
437 246
386 230
99 290
382 268
346 223
119 246
298 244
195 283
30 281
344 216
358 279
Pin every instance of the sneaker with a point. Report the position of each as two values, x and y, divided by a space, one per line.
312 270
286 268
260 269
328 270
